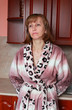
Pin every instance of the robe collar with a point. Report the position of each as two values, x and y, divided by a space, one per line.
33 72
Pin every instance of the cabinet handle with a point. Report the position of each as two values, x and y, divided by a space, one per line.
14 105
63 108
6 103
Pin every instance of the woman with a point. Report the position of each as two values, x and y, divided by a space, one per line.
39 71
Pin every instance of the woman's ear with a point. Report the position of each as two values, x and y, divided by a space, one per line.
45 31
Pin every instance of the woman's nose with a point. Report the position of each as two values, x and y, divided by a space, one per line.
34 27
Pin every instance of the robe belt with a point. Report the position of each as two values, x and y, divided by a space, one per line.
26 98
38 87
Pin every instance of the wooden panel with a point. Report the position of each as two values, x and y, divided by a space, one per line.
65 104
38 6
15 31
48 4
49 11
54 15
26 8
62 21
13 8
58 13
15 22
33 6
65 18
8 102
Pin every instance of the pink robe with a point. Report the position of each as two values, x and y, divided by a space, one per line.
38 87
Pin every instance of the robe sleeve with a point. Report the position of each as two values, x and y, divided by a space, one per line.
64 76
14 75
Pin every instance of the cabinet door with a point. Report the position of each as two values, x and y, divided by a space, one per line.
65 104
40 7
13 8
8 102
16 25
62 21
58 13
15 31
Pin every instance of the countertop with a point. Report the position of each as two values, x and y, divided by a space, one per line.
6 88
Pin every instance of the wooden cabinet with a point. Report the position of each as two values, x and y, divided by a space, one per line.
15 22
58 13
62 21
38 6
8 102
65 104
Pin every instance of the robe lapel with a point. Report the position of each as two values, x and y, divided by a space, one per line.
35 73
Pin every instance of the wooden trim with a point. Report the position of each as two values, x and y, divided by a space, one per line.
57 19
31 6
15 18
51 13
45 7
71 20
15 42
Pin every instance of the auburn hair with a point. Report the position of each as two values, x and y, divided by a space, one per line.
32 18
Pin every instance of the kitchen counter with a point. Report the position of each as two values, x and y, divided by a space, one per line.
6 88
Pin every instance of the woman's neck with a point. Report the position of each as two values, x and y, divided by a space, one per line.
38 45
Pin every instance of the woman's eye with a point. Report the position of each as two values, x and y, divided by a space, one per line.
38 24
30 26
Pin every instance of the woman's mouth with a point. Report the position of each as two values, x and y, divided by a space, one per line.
34 33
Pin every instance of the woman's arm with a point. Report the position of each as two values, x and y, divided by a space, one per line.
64 76
14 75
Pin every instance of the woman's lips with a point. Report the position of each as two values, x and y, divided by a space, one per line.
34 33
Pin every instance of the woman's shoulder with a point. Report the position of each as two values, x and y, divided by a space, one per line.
21 50
57 49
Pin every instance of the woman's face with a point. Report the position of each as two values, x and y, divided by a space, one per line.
36 29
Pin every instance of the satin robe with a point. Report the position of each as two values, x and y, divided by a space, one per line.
38 87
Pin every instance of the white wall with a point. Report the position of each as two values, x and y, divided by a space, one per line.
7 53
